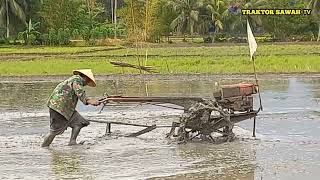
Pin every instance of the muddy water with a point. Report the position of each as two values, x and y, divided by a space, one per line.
287 144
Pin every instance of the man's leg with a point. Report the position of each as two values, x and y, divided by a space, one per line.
74 134
48 140
58 124
77 122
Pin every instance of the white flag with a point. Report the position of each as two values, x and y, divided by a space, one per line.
252 42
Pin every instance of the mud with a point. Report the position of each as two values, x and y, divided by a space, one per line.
287 144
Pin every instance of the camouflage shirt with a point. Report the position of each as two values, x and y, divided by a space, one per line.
65 96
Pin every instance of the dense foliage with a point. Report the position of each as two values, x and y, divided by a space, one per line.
57 22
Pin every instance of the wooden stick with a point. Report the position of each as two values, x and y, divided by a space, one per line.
122 123
148 69
130 124
143 131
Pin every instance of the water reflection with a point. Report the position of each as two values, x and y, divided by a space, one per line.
25 95
225 161
66 164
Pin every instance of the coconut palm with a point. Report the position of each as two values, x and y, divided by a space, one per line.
12 9
315 6
218 12
237 21
188 14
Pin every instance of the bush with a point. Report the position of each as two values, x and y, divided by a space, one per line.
91 35
63 36
3 39
57 37
207 39
75 34
96 33
220 38
32 39
86 34
51 38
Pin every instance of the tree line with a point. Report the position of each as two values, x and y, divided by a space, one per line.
56 22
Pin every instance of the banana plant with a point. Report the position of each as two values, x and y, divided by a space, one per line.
30 34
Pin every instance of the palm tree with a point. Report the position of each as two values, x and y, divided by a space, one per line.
315 6
188 14
12 9
114 6
115 17
239 21
218 12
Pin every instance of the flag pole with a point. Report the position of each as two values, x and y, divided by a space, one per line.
257 83
260 108
252 49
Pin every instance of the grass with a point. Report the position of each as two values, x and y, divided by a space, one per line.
170 50
271 58
231 50
61 66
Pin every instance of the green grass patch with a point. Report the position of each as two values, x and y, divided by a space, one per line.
271 58
265 64
214 50
226 50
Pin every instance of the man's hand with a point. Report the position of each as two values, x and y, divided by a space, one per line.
93 102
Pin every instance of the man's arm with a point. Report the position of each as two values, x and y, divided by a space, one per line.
80 92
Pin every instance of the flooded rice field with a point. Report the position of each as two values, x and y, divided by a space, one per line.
287 145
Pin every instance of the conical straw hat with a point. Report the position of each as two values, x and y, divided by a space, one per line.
88 73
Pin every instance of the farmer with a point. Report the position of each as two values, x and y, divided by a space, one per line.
62 103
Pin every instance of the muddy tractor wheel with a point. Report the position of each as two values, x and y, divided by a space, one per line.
203 119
